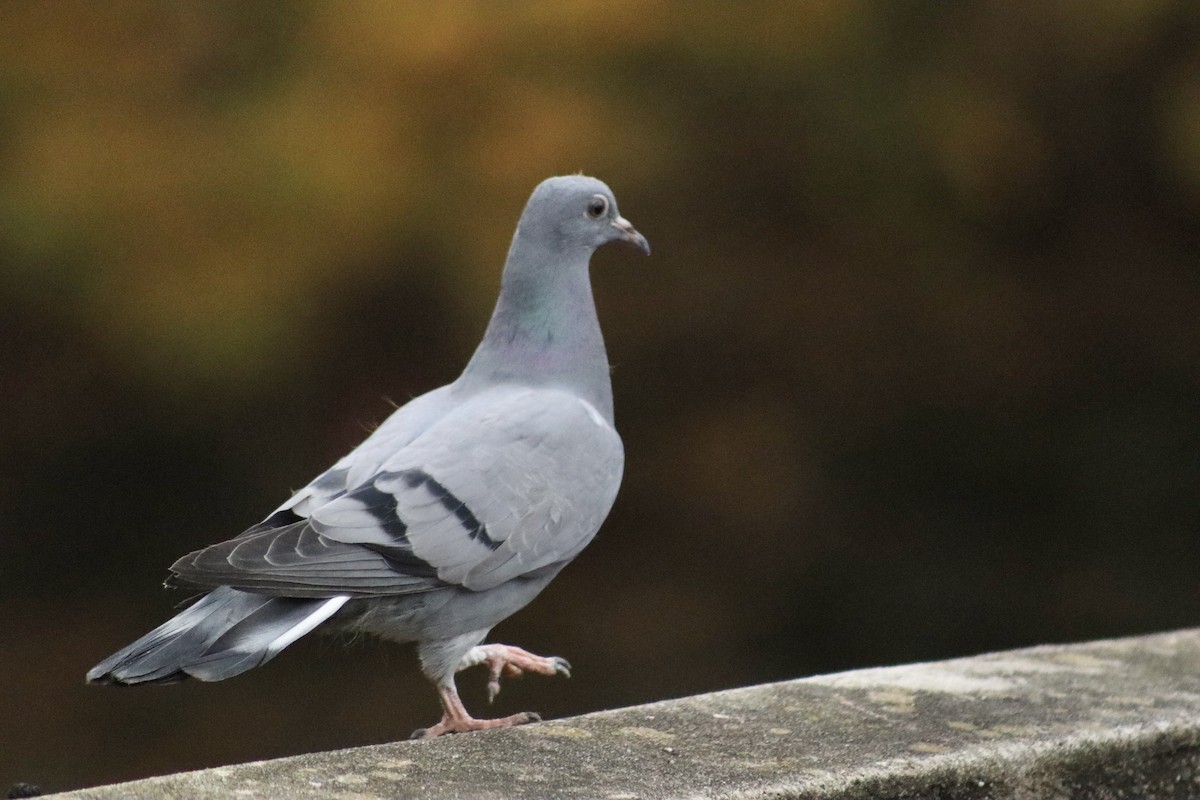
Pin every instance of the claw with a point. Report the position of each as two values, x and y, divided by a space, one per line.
562 666
493 684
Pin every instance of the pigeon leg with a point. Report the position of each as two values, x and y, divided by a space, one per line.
455 718
512 662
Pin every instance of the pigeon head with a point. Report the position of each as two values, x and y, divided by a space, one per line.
577 212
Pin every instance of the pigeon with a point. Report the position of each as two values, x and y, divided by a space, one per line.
453 514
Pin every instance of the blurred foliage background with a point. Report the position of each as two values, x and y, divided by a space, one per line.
913 372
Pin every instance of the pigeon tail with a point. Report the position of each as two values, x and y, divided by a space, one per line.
223 634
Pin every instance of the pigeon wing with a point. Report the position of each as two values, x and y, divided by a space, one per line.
513 480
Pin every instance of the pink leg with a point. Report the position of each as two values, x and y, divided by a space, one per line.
455 718
501 659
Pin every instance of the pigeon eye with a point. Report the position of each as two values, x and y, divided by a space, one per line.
597 207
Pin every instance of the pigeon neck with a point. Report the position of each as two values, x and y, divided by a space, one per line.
544 330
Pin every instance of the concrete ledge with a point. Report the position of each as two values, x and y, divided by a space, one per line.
1105 719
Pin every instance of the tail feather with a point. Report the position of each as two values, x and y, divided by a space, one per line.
223 634
258 637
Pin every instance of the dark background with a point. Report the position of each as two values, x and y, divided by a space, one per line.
913 372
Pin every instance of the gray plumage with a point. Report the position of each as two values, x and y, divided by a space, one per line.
454 513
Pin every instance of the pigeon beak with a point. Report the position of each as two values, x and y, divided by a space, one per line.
630 234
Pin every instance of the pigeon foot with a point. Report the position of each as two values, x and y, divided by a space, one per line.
512 662
455 718
466 725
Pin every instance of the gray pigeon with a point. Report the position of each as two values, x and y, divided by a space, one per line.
454 513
